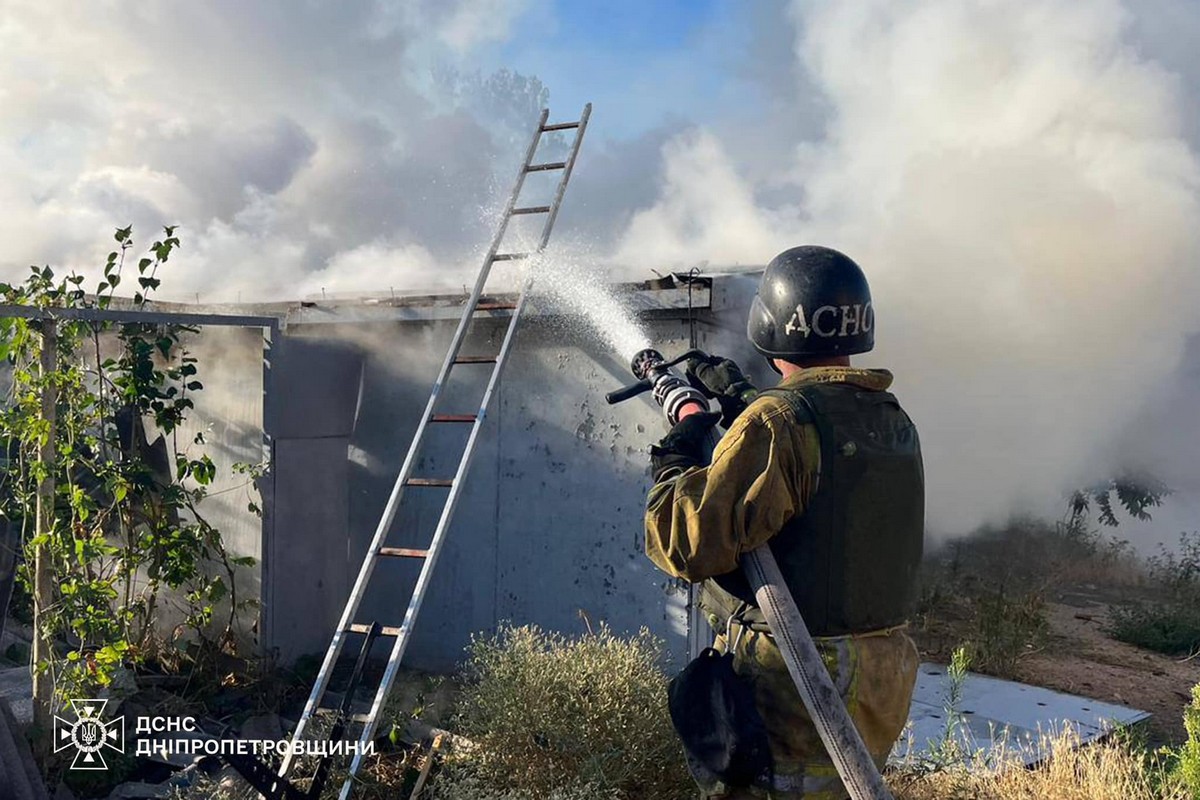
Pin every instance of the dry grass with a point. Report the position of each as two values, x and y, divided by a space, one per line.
384 776
556 718
1110 770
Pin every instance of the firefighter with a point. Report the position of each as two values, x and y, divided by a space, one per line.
827 468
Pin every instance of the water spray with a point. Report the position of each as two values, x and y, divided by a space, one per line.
669 389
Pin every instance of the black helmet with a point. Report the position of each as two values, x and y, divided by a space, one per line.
812 301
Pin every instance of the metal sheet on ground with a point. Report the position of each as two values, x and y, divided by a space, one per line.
997 713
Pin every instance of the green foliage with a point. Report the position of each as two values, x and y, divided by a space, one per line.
127 523
567 717
994 584
1170 623
98 783
952 747
1188 769
1168 627
1179 571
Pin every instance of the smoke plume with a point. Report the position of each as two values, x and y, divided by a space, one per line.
1018 183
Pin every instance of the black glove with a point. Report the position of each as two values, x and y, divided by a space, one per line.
721 378
685 446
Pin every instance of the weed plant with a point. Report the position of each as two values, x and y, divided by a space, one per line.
1188 769
1109 770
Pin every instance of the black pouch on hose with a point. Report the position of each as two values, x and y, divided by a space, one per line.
713 711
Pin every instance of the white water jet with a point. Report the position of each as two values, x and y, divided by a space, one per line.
574 284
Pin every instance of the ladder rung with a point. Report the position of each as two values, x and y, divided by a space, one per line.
546 166
475 360
532 210
361 719
403 552
497 306
384 630
453 418
429 482
510 256
560 126
329 696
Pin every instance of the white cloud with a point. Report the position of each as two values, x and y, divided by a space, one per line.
476 22
276 135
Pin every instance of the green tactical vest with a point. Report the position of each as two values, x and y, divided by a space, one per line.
851 558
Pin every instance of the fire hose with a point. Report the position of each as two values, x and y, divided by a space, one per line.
832 721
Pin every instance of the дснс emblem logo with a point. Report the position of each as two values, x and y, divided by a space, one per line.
89 734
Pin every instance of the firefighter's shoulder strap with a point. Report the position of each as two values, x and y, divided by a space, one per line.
797 401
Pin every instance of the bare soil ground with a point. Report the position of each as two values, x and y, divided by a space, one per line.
1081 659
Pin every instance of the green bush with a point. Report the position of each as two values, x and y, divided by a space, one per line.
553 716
1165 627
1179 571
1171 623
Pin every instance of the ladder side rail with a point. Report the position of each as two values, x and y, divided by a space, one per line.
393 503
423 581
566 176
448 509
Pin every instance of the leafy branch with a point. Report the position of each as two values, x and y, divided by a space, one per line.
128 530
1136 494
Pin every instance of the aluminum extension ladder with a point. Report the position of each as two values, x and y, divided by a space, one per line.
378 549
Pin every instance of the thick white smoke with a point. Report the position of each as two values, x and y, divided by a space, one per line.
1017 182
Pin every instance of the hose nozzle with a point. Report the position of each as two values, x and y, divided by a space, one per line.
654 374
644 361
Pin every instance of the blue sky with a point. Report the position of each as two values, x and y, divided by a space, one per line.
643 62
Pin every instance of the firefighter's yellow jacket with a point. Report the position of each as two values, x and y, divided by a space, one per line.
699 520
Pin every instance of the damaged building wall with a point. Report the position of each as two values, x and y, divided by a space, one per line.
549 526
